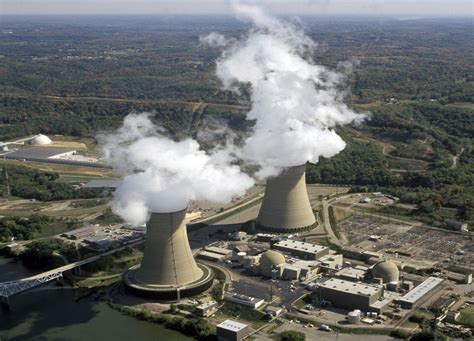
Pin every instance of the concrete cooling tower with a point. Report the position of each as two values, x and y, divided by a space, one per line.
168 269
285 207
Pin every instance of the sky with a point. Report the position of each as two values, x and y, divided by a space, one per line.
316 7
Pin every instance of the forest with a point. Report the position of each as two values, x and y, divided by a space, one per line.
414 78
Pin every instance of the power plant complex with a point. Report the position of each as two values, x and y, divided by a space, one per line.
286 207
168 269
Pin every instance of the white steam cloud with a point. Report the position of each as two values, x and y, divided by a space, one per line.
162 175
295 102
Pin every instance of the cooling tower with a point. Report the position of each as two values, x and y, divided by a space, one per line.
285 207
168 269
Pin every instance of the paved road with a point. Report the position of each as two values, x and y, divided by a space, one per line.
315 334
327 224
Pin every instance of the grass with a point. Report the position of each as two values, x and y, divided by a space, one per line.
467 316
235 311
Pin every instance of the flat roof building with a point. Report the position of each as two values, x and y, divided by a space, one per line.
301 250
410 299
207 309
230 330
248 301
219 250
351 274
350 295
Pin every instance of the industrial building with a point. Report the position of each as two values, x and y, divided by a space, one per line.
248 301
345 294
330 262
351 274
301 250
168 269
285 206
274 265
230 330
207 309
413 297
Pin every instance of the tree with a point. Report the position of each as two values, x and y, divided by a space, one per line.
291 335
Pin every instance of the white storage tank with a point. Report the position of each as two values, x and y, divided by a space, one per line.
241 255
353 317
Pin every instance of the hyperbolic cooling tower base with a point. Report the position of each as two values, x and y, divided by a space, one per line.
286 207
163 292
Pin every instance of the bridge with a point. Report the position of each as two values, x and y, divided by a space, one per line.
8 289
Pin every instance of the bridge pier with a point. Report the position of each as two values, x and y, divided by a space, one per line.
60 279
5 303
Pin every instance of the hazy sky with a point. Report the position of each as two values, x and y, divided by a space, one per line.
372 7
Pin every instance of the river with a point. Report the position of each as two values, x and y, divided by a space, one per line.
50 313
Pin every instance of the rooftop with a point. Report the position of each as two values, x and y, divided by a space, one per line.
232 325
207 304
361 289
300 246
351 272
421 290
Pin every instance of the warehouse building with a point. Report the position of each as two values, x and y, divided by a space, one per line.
301 250
230 330
413 297
345 294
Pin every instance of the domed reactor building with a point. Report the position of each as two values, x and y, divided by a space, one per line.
286 207
168 270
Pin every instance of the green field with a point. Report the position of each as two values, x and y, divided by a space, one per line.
467 316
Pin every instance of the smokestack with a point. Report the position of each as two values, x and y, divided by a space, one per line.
168 269
285 207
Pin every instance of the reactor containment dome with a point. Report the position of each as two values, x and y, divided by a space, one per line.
387 271
269 260
286 207
168 269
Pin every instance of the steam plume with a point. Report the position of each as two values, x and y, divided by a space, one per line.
295 102
162 175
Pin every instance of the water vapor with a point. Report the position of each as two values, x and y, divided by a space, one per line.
163 175
296 103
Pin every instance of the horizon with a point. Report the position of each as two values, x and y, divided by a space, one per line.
421 8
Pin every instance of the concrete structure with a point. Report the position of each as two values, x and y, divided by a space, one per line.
248 301
351 274
286 207
207 309
232 331
349 295
302 250
331 262
40 140
269 263
387 271
299 270
414 296
273 311
214 257
168 269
